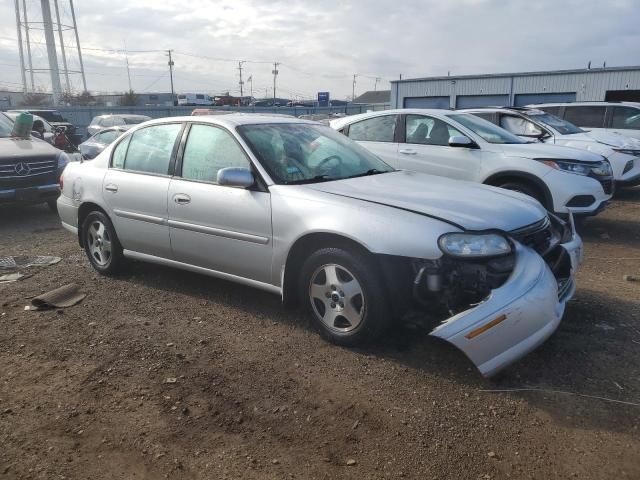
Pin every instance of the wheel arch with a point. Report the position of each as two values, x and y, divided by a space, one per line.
84 210
305 245
500 178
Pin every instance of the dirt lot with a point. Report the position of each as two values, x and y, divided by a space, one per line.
84 392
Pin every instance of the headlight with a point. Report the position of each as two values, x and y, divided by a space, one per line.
473 245
628 151
599 169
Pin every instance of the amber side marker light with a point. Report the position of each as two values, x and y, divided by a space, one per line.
485 327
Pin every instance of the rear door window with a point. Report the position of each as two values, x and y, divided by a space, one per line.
585 115
150 149
376 129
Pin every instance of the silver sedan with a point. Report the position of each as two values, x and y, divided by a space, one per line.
297 209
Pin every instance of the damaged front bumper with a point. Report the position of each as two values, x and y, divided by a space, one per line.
516 317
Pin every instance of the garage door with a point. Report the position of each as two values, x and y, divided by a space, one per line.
473 101
527 98
426 102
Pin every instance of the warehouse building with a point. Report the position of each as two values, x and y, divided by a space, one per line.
518 89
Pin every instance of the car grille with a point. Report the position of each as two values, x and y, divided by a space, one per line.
538 236
28 173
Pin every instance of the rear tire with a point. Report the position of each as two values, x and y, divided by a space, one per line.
101 244
526 189
345 295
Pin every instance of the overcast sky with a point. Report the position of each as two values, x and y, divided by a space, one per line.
322 43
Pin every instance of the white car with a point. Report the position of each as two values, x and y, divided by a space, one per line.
622 152
194 99
465 147
617 117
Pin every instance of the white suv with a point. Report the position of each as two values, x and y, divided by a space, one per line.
465 147
622 152
616 117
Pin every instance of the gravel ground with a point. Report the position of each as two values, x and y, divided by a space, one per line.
167 374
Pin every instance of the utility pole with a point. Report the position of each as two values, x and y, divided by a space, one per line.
275 74
250 80
241 82
171 76
353 88
375 85
126 57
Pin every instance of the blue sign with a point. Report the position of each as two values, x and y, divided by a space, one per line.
323 99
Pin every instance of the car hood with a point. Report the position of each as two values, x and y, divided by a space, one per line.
611 139
543 150
18 149
471 206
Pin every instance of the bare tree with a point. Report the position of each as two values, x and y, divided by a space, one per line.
129 99
36 98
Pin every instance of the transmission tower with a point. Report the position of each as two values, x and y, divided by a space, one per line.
38 23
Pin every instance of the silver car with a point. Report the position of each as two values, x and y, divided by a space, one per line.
92 146
103 121
292 207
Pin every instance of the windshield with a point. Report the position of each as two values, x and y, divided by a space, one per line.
6 126
50 116
561 126
305 153
488 131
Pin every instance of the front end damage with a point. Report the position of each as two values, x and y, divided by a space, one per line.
499 309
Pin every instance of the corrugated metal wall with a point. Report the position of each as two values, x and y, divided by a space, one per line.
587 85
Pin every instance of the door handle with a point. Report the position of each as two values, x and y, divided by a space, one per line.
181 199
408 151
110 187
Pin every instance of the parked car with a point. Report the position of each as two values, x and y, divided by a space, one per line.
296 209
622 152
209 111
193 99
462 146
120 120
616 117
30 168
95 144
57 121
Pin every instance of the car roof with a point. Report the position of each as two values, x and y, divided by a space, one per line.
233 119
586 104
523 110
340 122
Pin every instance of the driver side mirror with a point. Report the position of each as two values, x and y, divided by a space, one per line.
236 177
461 141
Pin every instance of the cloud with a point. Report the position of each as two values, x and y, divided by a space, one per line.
322 43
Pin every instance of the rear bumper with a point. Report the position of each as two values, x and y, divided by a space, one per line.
29 195
518 316
68 213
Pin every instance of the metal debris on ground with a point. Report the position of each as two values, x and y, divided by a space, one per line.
18 262
62 297
12 277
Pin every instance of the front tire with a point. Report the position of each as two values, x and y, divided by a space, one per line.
101 243
345 295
